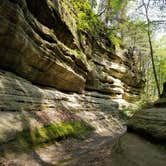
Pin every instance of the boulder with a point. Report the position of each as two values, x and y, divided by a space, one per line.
150 122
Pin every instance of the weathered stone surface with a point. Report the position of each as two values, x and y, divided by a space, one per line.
44 57
150 122
26 106
32 50
115 75
45 48
160 103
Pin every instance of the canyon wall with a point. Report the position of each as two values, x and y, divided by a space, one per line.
52 72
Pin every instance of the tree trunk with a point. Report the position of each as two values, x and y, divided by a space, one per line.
151 47
163 95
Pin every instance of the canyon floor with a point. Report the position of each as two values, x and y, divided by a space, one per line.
128 150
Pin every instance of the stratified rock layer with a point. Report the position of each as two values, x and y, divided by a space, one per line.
31 49
52 73
25 107
40 41
151 122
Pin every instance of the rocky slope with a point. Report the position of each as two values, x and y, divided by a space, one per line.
57 81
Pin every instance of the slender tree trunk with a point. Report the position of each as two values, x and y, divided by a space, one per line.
151 47
153 64
148 80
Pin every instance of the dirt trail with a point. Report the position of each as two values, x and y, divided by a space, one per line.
137 151
130 150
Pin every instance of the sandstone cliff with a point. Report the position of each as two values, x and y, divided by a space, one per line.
52 75
40 41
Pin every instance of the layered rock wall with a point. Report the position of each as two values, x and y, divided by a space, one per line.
25 106
75 78
40 41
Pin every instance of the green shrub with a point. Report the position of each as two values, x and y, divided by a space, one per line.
86 18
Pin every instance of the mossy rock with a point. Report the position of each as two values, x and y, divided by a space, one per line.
52 132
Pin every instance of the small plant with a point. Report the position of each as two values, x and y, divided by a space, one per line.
86 19
114 39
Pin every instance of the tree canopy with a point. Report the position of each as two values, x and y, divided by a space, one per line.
140 26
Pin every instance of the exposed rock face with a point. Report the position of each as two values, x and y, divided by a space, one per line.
31 49
24 106
40 42
52 73
151 122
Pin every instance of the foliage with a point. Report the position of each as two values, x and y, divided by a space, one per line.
93 3
86 18
113 14
89 22
114 39
128 111
151 14
160 62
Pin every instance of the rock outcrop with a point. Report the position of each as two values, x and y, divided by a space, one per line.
57 81
40 41
24 106
151 122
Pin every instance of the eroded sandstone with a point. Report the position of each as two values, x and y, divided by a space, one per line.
45 48
151 122
52 73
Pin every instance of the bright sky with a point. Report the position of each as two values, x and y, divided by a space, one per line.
155 14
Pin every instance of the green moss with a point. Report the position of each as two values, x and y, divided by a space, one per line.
71 52
62 162
52 132
75 110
